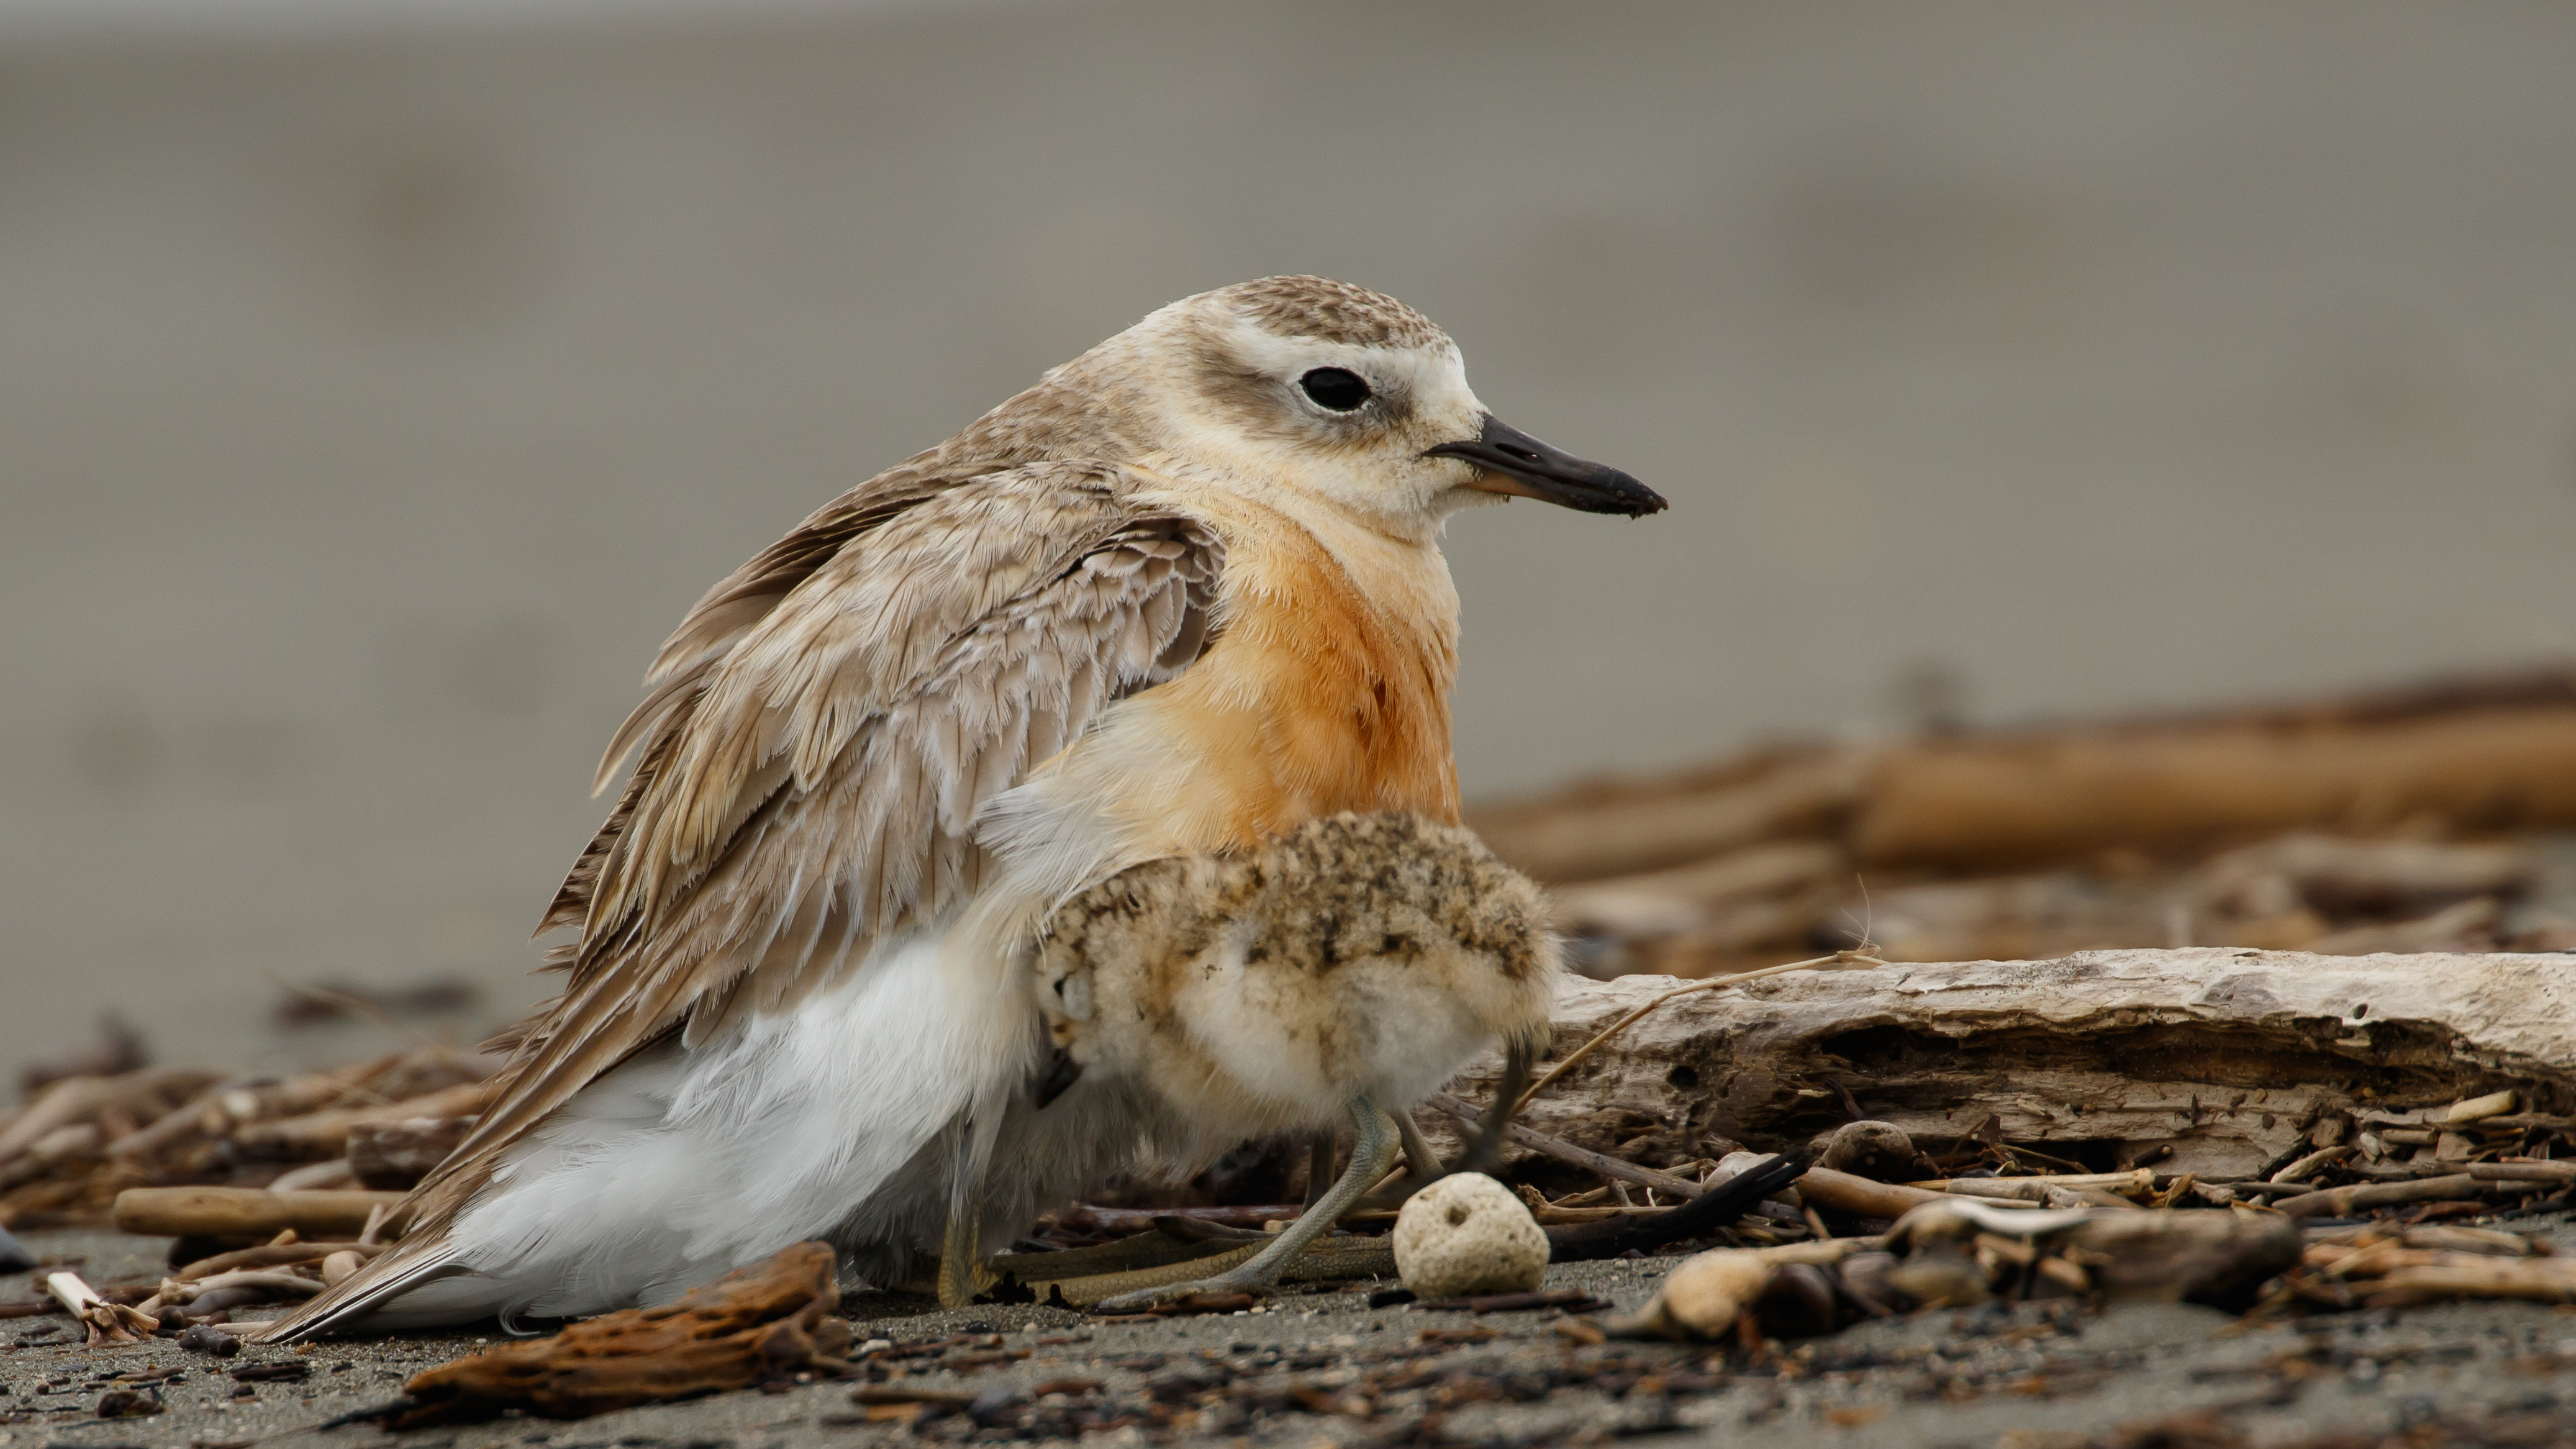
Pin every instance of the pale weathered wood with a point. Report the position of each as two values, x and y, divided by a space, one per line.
244 1212
1692 897
2001 802
2221 1059
1576 842
326 1134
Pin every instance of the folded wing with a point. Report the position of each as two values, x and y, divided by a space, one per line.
818 738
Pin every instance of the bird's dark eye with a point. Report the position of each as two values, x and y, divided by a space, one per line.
1336 388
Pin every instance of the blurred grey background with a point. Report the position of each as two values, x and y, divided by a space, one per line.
378 382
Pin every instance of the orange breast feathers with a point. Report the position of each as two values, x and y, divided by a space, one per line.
1327 690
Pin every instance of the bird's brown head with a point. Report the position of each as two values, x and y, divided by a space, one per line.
1313 387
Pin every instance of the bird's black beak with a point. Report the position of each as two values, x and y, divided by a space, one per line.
1061 1072
1511 461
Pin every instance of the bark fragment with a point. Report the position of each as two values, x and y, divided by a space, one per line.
754 1325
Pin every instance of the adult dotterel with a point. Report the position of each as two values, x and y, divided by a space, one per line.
1183 596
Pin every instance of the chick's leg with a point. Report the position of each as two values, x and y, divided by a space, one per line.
1484 1151
1419 1159
1319 1166
1371 1156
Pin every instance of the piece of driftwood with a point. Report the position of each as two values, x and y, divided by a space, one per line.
1087 1218
1582 840
2376 1266
1708 1295
281 1255
326 1134
1956 1253
107 1322
145 1094
2342 1202
2116 1255
397 1155
1540 1142
1719 1205
245 1212
1999 802
2334 826
2220 1061
1704 895
755 1325
1860 1197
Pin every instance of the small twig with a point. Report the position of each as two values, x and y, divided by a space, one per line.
2041 1156
1564 1151
1709 1213
1851 957
274 1282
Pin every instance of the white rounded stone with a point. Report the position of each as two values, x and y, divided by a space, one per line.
1467 1233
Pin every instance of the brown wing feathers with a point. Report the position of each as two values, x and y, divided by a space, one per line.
815 782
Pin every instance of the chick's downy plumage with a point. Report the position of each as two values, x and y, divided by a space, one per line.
1357 957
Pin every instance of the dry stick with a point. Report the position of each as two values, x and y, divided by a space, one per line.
175 1123
1564 1151
2306 1167
267 1256
1862 1197
243 1212
2562 1173
1137 1220
1852 957
2343 1201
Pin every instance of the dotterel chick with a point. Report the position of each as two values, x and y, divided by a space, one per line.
1342 971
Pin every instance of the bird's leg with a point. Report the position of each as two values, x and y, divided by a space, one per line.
1371 1156
1419 1159
1484 1151
1319 1166
961 1250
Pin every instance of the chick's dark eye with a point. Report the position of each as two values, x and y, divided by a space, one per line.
1336 388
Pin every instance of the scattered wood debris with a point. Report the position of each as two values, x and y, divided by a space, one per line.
85 1139
2407 820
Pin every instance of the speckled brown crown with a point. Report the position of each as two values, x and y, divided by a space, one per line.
1329 311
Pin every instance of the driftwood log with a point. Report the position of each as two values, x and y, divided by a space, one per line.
246 1212
2018 799
1615 832
2213 1061
2006 801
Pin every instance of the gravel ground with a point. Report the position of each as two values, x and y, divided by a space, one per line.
2032 1377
